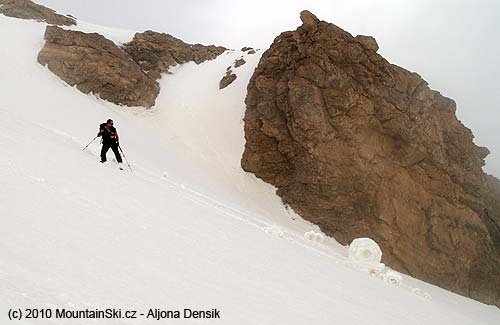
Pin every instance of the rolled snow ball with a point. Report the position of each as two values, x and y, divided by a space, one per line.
310 235
365 250
393 277
314 236
421 293
376 270
274 230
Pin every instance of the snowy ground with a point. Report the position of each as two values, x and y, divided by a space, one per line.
187 229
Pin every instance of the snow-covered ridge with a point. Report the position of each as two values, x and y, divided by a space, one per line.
188 228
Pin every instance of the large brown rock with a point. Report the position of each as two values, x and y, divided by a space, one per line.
26 9
364 148
96 65
157 52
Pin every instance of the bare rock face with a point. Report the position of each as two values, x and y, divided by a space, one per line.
26 9
249 50
309 21
364 148
96 65
123 76
368 42
238 63
228 78
156 52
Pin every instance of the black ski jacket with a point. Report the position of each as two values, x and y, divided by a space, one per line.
108 136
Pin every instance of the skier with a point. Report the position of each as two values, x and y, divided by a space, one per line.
109 140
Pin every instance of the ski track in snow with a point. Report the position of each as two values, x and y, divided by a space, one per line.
308 240
184 150
187 192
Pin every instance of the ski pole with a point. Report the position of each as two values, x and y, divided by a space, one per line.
126 160
89 143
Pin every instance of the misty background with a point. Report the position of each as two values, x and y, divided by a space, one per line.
453 44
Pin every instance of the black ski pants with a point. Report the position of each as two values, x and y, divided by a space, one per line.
114 147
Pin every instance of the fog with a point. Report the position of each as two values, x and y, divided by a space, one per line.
454 45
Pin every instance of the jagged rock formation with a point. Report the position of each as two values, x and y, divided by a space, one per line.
239 62
156 52
247 49
124 76
368 42
96 65
228 78
26 9
364 148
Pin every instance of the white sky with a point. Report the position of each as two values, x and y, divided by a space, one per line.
453 44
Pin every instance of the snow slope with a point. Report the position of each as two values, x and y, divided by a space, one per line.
187 229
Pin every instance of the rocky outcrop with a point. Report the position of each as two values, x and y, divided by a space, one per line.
238 63
368 42
228 78
156 52
96 65
26 9
247 49
364 148
124 76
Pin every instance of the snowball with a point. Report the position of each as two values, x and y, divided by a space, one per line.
314 236
393 277
274 230
376 270
365 250
309 235
421 293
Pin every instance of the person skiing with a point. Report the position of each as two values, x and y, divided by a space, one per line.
109 140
